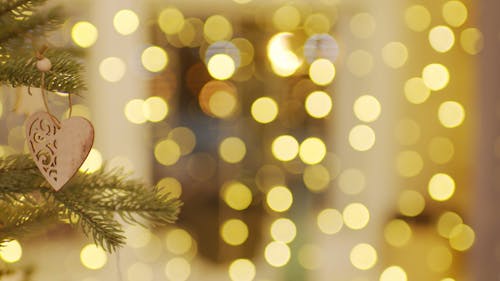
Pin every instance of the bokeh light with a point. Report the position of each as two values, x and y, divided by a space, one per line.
441 38
277 254
351 181
232 150
329 221
416 91
140 272
393 273
284 61
221 66
316 178
411 203
451 114
242 270
395 54
435 76
285 148
417 18
171 20
134 111
237 195
286 18
154 59
312 150
367 108
409 163
167 152
356 216
92 163
361 137
439 258
397 233
84 34
264 110
11 251
363 256
441 187
283 230
217 28
178 269
447 222
472 40
279 198
125 22
93 257
112 69
441 150
234 232
454 13
155 109
322 72
318 104
171 186
178 241
462 237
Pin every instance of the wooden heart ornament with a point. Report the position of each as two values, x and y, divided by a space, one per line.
58 149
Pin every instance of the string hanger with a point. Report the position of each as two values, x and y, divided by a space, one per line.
44 65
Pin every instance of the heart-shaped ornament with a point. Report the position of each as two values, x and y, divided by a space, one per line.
58 149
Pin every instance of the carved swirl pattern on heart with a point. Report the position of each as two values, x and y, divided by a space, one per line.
41 138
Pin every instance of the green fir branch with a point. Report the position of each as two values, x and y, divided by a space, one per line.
88 200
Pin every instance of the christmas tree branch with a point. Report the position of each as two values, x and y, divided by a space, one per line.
88 200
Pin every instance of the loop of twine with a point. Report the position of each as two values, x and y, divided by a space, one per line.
39 56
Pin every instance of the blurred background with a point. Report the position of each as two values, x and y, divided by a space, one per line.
348 140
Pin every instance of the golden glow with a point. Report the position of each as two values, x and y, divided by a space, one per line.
439 259
283 230
277 254
361 137
411 203
139 271
286 18
397 233
84 34
11 251
393 273
171 20
360 63
221 66
93 257
363 256
435 76
312 151
441 38
416 91
171 186
217 28
154 59
264 110
246 50
125 22
155 109
316 178
279 198
417 18
356 216
407 132
472 40
178 241
441 187
409 163
232 150
441 150
222 103
451 114
137 236
447 222
362 25
310 256
367 108
395 54
134 111
317 24
112 69
234 232
178 269
318 104
285 148
322 72
92 163
329 221
167 152
242 270
351 181
462 237
284 61
237 195
454 13
185 138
